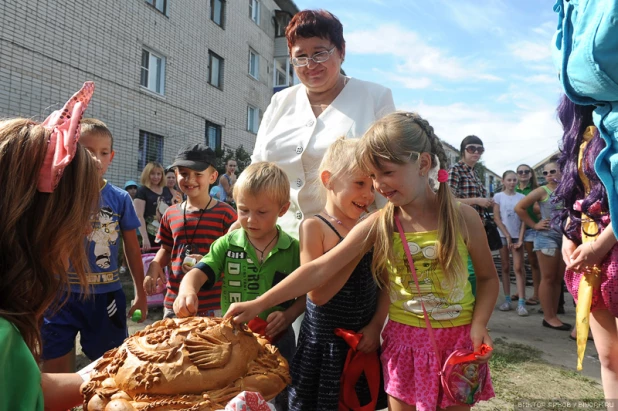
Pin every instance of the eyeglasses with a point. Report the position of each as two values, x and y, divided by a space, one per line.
522 172
552 172
320 57
475 149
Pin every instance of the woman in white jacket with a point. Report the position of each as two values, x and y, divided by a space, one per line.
302 121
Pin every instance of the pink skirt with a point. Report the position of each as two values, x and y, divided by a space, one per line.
411 368
606 297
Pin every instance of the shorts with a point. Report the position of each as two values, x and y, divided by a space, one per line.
529 235
505 243
409 362
100 319
547 242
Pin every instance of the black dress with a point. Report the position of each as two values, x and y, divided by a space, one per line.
320 355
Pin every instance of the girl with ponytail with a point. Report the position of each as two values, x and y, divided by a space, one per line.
407 163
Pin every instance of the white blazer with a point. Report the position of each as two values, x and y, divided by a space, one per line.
292 137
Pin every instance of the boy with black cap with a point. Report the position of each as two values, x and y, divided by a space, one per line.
188 229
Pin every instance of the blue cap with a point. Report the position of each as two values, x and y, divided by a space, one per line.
129 184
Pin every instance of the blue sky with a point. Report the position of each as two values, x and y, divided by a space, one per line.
480 67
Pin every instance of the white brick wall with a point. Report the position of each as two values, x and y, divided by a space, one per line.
48 48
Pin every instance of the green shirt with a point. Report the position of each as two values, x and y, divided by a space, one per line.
530 209
244 279
20 378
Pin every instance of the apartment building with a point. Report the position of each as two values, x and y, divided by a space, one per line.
167 72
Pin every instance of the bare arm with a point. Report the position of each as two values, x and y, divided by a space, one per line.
140 208
136 267
226 185
486 278
521 209
307 276
61 391
500 224
592 253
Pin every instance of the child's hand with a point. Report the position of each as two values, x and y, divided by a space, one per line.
584 257
153 277
139 304
509 243
187 267
278 322
244 312
542 225
186 304
518 245
479 335
371 338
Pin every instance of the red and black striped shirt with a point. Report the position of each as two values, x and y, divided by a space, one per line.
173 235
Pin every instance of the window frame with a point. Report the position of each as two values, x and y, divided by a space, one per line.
222 14
142 150
159 75
254 11
255 117
288 72
212 55
256 66
154 3
218 137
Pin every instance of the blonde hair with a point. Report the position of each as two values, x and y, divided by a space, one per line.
397 138
150 167
94 126
339 160
41 232
264 178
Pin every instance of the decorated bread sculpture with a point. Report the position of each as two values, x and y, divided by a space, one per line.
195 364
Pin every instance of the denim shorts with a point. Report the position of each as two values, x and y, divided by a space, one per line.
547 240
529 235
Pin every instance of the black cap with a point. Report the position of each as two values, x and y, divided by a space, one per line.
197 157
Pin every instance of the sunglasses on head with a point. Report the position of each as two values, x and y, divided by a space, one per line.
552 172
475 149
522 172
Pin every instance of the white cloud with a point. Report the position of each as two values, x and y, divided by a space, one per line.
476 16
509 138
416 57
527 50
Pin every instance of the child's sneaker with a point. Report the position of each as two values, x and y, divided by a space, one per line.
521 311
505 306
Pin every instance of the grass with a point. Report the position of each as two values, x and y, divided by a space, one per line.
524 381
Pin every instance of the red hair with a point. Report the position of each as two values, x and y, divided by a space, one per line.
315 23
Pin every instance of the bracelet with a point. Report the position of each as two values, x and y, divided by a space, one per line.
591 247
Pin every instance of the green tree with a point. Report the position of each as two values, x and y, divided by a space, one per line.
242 157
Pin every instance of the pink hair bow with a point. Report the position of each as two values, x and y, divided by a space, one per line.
62 143
442 176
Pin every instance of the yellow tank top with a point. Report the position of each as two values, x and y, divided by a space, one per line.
446 307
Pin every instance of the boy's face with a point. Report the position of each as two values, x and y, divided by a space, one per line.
100 146
195 183
258 214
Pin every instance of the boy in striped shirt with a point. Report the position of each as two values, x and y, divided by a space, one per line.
188 229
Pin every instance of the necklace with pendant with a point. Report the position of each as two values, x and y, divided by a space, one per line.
264 249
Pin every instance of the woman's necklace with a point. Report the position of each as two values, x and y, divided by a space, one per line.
336 220
323 107
265 248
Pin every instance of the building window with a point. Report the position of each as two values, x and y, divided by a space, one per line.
160 5
282 19
153 71
215 72
213 135
217 11
283 72
150 149
254 64
254 11
253 119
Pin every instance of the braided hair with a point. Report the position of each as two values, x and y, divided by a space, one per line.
396 138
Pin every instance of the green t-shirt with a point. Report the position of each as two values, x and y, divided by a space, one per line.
244 279
20 378
530 209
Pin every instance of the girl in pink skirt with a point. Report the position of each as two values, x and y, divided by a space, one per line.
407 163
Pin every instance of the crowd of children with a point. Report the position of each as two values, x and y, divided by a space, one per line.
398 278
